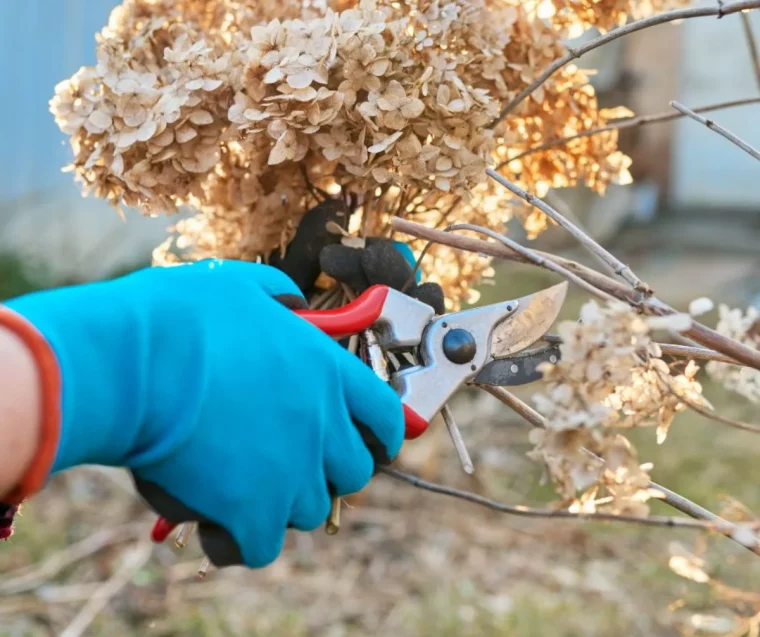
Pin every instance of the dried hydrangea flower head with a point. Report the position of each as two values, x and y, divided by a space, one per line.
611 377
146 122
240 110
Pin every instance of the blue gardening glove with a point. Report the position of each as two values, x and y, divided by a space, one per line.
228 408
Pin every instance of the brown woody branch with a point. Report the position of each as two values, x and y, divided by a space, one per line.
630 122
703 335
720 9
587 242
718 129
534 257
707 413
687 351
671 349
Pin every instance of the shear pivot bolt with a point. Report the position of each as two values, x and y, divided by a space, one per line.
459 346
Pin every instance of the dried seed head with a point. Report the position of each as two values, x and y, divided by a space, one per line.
610 378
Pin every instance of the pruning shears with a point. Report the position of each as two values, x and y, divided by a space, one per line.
483 345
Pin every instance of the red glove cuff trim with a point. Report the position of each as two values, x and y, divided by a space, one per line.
50 394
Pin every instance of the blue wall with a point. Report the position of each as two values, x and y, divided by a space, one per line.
41 43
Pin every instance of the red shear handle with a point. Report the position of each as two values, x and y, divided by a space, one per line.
161 530
415 424
353 318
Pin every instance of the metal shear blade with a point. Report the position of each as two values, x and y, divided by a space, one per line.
457 347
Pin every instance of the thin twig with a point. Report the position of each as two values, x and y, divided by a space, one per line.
205 567
325 297
684 505
721 9
671 349
701 353
502 251
709 338
718 129
747 540
707 413
629 122
134 561
742 354
603 255
413 276
456 437
671 498
562 206
183 536
752 46
534 257
518 406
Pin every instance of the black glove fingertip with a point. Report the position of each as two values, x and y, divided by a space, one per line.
383 264
301 260
431 294
343 263
375 446
219 545
217 542
292 301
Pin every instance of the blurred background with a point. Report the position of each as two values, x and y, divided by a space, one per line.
408 562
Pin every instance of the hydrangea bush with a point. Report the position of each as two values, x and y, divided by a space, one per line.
236 109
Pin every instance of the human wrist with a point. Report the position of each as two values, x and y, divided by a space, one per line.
30 408
93 333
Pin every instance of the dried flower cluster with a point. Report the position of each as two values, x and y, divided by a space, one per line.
611 377
745 328
240 110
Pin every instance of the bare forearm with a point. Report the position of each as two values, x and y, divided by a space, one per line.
20 413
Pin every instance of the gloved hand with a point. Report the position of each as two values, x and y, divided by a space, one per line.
187 376
381 262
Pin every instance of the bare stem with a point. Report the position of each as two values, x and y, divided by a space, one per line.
204 567
671 349
534 257
718 129
686 351
518 406
750 541
720 9
456 437
603 255
742 354
752 46
185 531
630 122
707 413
